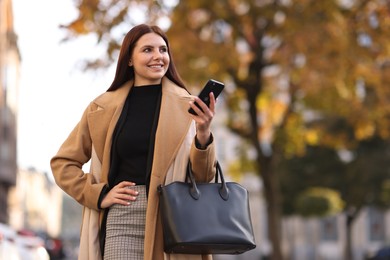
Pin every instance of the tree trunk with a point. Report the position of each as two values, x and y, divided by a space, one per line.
350 217
272 196
253 87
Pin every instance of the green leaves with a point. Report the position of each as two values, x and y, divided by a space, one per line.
319 201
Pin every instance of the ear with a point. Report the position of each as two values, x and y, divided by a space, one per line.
130 63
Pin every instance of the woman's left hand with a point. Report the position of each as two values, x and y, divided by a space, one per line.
203 118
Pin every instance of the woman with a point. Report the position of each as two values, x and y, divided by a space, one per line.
138 135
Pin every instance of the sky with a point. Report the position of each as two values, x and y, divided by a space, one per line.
53 93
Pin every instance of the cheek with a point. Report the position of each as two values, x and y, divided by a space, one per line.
166 59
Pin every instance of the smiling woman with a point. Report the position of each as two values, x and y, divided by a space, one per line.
130 156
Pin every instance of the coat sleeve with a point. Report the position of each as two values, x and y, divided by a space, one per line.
67 165
203 162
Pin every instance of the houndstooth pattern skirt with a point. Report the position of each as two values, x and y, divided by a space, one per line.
125 229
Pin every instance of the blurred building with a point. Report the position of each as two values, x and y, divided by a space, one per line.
35 203
9 75
39 208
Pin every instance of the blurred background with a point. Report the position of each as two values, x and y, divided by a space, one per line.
303 123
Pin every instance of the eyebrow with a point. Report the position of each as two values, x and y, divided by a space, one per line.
151 46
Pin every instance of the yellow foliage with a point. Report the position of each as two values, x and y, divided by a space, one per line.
312 137
364 130
78 27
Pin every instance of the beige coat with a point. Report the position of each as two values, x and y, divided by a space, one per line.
91 139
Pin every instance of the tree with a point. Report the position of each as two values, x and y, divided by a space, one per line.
361 181
300 72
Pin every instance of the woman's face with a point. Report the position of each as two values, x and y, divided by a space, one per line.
150 59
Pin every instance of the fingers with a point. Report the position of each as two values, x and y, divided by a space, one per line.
122 194
203 111
212 102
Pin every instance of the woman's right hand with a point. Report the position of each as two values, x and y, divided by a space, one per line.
121 194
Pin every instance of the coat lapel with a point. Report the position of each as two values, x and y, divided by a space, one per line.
173 124
102 122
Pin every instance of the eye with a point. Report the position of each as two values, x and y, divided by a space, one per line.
148 49
163 49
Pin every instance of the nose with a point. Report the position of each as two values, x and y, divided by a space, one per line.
157 54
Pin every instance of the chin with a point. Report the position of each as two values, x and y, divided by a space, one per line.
158 77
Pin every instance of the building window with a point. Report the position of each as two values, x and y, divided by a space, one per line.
4 140
329 229
376 224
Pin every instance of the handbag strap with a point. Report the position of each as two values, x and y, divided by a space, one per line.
195 192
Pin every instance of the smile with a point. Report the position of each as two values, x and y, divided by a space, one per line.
156 66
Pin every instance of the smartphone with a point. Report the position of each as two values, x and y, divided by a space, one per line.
211 86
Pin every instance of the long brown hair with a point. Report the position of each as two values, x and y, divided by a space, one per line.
124 72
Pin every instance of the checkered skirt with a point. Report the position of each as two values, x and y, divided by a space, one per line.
125 230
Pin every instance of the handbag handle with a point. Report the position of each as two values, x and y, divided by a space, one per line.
194 191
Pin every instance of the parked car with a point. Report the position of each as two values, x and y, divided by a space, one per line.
53 245
21 245
382 254
8 247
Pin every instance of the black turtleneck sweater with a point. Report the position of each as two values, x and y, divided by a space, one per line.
132 143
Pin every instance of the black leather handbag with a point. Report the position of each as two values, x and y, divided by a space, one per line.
206 218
